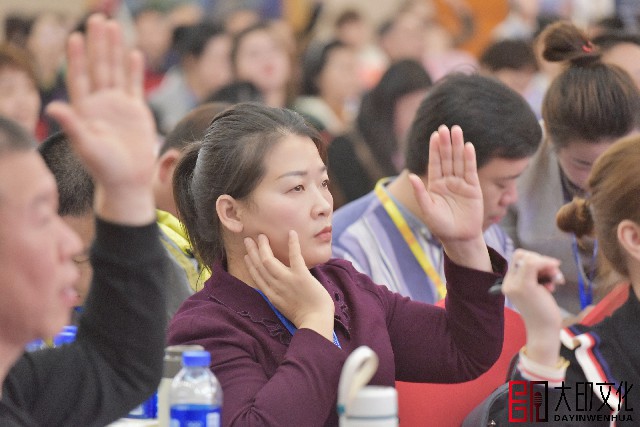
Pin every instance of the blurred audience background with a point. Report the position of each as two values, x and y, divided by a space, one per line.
320 57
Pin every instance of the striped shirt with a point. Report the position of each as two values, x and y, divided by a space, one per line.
364 233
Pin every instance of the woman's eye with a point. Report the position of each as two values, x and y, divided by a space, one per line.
298 188
325 183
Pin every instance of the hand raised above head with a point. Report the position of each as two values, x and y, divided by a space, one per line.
108 122
291 289
451 203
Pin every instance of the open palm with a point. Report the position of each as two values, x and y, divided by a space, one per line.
451 203
107 120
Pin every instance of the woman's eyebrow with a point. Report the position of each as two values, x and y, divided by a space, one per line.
300 173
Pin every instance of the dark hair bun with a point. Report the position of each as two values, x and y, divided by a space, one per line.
575 217
563 41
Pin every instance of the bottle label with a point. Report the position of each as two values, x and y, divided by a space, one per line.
146 410
195 416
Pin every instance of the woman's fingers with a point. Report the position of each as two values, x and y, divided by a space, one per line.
264 248
531 269
277 270
296 260
256 259
256 276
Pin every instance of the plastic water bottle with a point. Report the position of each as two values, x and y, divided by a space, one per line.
147 410
70 328
172 365
37 344
64 337
195 397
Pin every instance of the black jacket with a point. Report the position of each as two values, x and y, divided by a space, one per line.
116 361
616 352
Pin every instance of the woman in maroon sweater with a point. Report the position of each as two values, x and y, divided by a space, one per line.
278 316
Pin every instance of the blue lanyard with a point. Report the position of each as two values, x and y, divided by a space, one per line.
287 323
585 290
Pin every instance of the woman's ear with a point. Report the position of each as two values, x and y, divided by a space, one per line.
229 212
629 237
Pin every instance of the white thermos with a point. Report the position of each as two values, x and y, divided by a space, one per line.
360 405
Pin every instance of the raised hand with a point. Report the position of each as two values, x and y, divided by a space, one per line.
537 306
108 122
291 289
451 203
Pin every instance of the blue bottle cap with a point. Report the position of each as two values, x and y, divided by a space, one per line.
70 328
196 358
64 338
36 344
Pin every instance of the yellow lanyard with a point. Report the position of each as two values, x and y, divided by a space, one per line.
409 238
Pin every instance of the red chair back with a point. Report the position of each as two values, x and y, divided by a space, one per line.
447 405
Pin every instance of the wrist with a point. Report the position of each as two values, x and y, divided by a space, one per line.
125 205
470 253
543 348
320 323
554 371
